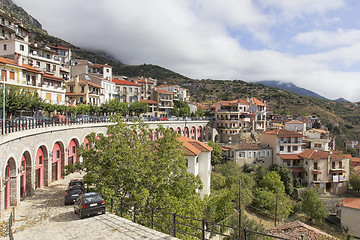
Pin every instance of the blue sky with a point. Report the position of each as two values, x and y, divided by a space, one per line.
313 44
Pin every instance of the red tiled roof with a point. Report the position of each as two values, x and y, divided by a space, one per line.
163 91
355 159
53 77
352 202
8 61
145 81
290 156
149 101
125 82
194 147
31 69
283 133
318 154
295 122
257 102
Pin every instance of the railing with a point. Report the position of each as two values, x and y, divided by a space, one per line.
178 225
11 221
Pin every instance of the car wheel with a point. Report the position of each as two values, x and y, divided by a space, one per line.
103 212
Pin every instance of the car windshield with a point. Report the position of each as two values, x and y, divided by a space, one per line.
74 190
94 198
75 183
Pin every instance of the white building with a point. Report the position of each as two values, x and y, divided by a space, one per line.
295 126
198 156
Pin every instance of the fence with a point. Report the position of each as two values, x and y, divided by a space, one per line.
11 220
181 226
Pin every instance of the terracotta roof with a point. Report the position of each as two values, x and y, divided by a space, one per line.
257 102
295 122
149 101
246 146
298 230
194 147
31 69
352 202
145 81
8 61
100 65
89 83
283 133
53 77
355 159
290 156
163 91
125 82
318 154
165 86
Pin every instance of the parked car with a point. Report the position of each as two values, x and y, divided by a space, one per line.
89 203
162 119
72 193
152 118
82 118
59 119
76 182
22 121
43 120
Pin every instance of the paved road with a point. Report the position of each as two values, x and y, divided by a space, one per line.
44 216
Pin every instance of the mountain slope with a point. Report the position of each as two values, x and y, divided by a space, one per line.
291 87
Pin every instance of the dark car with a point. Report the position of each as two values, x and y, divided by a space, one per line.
89 203
43 120
59 119
72 193
76 182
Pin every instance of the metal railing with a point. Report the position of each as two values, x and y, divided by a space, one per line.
181 226
11 221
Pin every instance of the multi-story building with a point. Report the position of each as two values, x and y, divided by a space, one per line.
64 57
12 28
32 80
126 91
153 108
179 92
100 70
198 156
250 153
82 91
310 121
286 146
319 139
165 100
234 117
295 126
326 171
148 85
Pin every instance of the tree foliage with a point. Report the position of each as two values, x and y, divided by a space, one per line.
312 206
181 109
216 153
355 182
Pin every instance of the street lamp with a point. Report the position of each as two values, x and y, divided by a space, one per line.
66 108
3 110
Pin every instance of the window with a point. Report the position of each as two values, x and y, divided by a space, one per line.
5 47
57 153
315 177
71 89
241 154
48 96
82 89
54 68
289 148
340 164
333 165
295 148
281 148
59 97
22 48
12 75
249 154
268 153
73 149
40 160
315 165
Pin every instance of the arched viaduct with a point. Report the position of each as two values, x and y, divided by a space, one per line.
34 158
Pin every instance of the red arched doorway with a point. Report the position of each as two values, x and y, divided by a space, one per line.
25 175
199 133
41 167
178 130
72 152
57 161
10 183
193 133
186 132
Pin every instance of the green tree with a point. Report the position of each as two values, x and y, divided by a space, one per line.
355 182
216 153
312 206
180 109
138 108
126 164
286 177
272 182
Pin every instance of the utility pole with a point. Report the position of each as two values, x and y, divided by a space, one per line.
3 110
239 209
276 206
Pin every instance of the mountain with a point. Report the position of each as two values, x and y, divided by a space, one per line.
291 87
341 100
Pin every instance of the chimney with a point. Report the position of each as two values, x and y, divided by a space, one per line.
18 59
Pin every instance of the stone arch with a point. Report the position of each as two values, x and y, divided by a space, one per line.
25 171
73 147
199 133
186 132
41 167
171 129
10 183
178 130
57 161
86 143
193 132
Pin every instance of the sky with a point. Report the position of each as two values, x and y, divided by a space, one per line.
313 44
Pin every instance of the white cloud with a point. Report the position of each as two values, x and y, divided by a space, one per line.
200 39
326 39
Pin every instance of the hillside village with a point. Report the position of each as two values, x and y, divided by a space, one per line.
246 129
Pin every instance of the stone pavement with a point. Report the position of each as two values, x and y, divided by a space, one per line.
44 216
